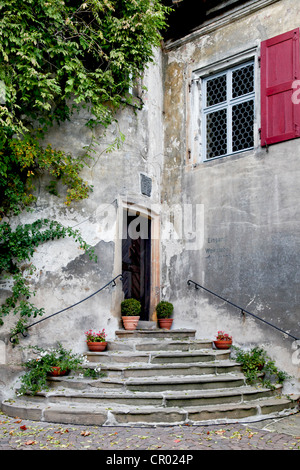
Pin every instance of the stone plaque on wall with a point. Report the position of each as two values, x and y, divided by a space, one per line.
146 185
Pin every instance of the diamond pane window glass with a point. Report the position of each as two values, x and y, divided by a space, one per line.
243 81
228 114
242 126
216 90
216 142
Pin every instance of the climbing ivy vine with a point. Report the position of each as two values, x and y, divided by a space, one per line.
57 57
16 250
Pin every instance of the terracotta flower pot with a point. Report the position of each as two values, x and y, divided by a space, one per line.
165 323
56 371
96 346
130 322
221 344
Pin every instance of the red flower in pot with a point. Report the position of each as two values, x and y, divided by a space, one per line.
223 340
96 341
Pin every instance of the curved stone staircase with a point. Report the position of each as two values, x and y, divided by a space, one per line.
154 377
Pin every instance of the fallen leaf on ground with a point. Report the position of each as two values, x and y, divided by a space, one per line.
29 443
62 431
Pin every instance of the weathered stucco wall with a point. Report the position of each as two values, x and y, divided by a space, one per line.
249 232
231 224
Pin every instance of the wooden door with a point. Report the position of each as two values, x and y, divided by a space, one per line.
136 260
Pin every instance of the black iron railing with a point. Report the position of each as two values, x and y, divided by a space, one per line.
242 310
112 282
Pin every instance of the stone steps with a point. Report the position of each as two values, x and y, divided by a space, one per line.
162 357
152 370
125 415
93 393
154 377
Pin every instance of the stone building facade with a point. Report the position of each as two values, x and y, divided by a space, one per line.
204 178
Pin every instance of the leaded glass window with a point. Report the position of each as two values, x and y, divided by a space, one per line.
228 112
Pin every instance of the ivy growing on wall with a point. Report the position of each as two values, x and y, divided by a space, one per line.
16 249
57 57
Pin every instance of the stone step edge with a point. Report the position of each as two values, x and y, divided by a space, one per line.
96 393
194 352
151 416
167 379
158 354
224 364
142 344
157 365
166 339
158 332
171 379
166 388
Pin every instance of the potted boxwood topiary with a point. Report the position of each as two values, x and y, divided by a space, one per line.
130 312
164 311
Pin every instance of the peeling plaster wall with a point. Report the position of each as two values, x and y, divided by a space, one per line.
250 232
242 208
64 274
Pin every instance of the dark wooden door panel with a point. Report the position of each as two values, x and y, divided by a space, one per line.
136 267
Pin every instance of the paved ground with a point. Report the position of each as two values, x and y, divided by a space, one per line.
278 434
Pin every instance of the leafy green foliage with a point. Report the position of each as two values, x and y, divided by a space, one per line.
164 309
84 51
257 365
22 160
55 58
130 307
38 368
35 377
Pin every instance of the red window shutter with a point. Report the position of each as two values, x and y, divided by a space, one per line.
280 67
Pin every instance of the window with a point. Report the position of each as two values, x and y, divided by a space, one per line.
228 107
228 111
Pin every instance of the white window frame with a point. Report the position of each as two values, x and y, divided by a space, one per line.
226 105
196 152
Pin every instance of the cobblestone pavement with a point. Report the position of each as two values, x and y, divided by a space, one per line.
20 434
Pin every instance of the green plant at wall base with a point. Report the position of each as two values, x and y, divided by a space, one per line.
164 309
257 365
37 368
93 372
130 307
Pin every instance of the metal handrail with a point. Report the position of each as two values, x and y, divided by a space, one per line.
113 282
243 311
